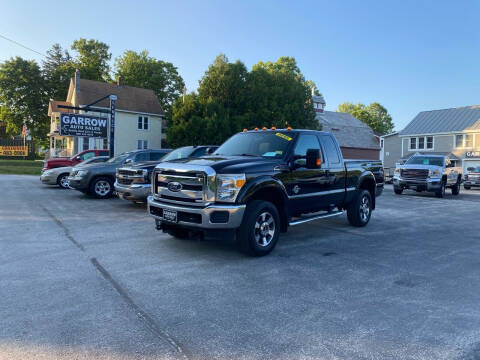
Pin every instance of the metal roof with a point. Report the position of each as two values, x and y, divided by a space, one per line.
349 131
444 121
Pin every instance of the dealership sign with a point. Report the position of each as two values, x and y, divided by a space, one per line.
13 150
472 154
83 125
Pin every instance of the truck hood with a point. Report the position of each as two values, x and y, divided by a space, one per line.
231 164
58 160
421 167
142 165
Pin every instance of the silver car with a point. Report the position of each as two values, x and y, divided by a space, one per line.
59 176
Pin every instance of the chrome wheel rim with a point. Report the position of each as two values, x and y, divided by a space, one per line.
264 230
102 188
64 182
364 208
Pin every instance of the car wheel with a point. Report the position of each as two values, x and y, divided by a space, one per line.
63 181
456 189
441 193
258 234
360 210
101 187
466 187
398 190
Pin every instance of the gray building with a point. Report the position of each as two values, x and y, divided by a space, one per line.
454 132
356 139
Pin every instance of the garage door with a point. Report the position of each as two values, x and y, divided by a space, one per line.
470 163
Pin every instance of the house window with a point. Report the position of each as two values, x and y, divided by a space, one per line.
421 143
143 123
142 144
464 141
413 143
85 143
429 142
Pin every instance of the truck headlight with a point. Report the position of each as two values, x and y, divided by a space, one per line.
228 186
396 172
433 173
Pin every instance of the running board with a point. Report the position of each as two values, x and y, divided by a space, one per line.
315 217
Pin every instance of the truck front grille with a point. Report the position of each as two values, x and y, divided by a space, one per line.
414 174
185 187
126 176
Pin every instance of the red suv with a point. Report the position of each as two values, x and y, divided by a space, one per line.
75 159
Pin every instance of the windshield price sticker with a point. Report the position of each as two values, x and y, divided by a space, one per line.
283 136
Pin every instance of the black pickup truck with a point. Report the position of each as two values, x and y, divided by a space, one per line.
260 182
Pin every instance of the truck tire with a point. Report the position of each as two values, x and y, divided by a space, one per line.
62 181
260 228
101 187
397 190
441 193
360 209
456 189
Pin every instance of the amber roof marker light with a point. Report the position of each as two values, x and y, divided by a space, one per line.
245 130
256 129
274 128
289 128
264 128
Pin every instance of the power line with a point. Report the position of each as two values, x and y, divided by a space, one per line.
25 47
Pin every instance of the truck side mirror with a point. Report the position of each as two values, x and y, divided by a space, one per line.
314 159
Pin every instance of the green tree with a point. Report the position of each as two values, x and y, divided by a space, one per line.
374 115
92 59
23 97
142 70
57 68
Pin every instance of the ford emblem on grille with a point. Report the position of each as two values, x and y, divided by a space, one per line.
174 186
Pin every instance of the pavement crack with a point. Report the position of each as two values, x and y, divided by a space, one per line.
64 228
141 314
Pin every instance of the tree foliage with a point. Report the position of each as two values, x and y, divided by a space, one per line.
57 68
374 115
22 97
231 98
142 70
92 59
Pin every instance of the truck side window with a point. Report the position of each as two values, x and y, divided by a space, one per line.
331 151
154 156
199 152
304 143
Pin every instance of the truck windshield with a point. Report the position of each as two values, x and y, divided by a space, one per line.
180 153
425 160
262 143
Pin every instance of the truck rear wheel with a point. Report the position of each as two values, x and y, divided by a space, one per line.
260 228
398 190
456 189
360 210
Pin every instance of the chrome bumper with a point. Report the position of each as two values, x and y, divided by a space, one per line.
429 184
134 192
235 214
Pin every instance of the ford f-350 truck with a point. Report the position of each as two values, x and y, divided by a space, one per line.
260 182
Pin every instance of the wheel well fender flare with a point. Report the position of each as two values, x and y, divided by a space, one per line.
268 189
367 181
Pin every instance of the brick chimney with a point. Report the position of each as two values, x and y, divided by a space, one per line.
77 80
318 103
119 81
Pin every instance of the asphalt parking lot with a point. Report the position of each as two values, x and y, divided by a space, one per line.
92 279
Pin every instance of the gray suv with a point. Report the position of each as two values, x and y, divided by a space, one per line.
98 179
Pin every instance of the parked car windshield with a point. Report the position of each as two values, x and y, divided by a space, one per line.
262 143
119 158
180 153
425 160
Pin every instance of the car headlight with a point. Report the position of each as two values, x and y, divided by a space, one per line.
228 186
49 172
81 173
434 173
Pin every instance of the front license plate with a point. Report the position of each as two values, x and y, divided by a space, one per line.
170 215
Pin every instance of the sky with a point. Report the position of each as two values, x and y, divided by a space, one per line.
410 56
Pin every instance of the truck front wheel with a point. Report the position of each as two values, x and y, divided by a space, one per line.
260 228
360 210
